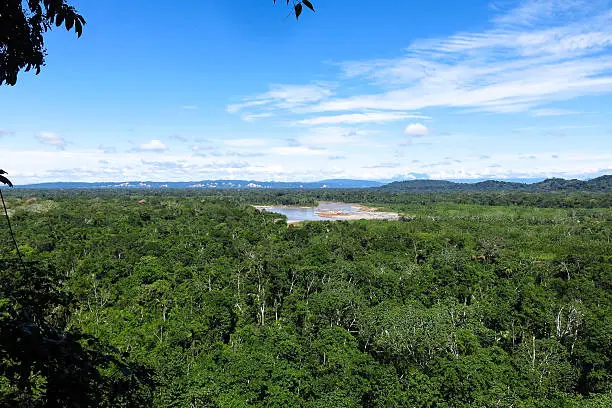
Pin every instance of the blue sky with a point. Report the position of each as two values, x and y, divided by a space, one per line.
392 90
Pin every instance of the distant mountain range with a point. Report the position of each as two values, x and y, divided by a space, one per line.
207 184
602 184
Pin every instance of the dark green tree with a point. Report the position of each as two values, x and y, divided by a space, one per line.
45 363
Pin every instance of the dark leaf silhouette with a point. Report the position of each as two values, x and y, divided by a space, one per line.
298 10
70 22
78 27
6 181
59 19
308 4
22 28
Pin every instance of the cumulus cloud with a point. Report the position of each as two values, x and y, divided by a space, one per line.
152 146
51 139
416 130
296 165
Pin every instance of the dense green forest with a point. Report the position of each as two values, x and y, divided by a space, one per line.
602 183
196 299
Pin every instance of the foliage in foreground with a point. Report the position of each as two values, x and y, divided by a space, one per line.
45 363
455 306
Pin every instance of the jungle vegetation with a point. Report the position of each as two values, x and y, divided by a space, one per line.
190 298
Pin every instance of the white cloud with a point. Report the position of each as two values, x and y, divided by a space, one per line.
234 108
298 151
152 146
552 112
107 149
535 53
199 148
244 142
51 139
328 135
234 153
296 164
294 95
416 129
284 97
357 118
252 117
179 138
532 12
382 166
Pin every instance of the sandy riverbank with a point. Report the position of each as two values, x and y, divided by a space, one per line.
334 211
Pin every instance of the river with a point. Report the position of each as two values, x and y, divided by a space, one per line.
328 212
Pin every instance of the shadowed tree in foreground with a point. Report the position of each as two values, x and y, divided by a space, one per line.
44 362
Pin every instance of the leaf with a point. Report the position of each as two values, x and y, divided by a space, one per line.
78 27
308 4
6 181
298 10
59 19
3 172
69 22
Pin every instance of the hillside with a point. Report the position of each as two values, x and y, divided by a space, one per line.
599 184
